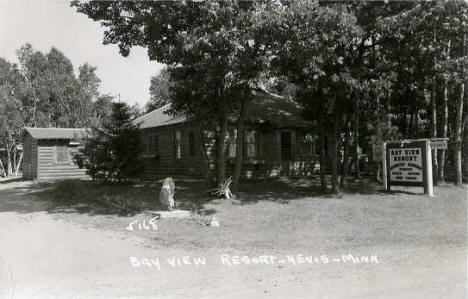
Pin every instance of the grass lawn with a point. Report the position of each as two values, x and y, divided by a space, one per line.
279 215
77 240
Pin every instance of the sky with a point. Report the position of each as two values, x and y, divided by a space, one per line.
53 23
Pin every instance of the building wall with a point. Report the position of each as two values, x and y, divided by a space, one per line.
162 160
49 168
268 162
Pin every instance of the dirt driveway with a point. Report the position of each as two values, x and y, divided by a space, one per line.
59 255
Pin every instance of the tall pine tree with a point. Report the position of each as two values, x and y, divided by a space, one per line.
111 152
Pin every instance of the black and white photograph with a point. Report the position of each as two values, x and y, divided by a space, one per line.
233 149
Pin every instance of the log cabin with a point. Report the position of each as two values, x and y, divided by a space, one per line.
48 153
278 141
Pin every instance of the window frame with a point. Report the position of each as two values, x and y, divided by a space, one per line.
232 143
177 140
56 151
283 147
255 143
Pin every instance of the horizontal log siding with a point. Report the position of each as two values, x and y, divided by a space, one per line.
49 169
267 164
165 162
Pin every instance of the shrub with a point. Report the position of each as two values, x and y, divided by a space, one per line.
111 152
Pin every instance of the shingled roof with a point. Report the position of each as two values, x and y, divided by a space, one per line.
265 108
158 117
274 110
57 133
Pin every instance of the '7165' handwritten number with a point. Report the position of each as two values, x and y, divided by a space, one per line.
143 225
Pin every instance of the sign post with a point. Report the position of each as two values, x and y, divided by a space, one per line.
428 184
408 163
384 166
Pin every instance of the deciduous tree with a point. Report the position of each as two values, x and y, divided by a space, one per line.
159 90
11 112
210 45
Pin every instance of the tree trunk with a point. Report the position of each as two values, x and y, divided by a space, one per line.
346 156
323 156
459 124
458 138
356 139
239 147
411 126
221 150
444 133
444 123
465 150
387 110
9 167
335 156
465 118
416 122
465 121
403 122
14 158
2 167
435 165
19 164
205 158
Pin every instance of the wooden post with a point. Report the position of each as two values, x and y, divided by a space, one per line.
384 167
428 185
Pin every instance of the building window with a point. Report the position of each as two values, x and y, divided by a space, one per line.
232 143
153 145
177 145
251 140
150 147
61 154
286 146
191 143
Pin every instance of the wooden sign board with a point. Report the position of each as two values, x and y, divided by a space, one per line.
405 165
408 163
439 143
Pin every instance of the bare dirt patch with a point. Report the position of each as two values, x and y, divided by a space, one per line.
57 249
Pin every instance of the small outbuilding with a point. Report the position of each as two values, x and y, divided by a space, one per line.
48 153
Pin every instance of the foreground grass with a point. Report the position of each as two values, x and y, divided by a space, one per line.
108 198
276 216
124 199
